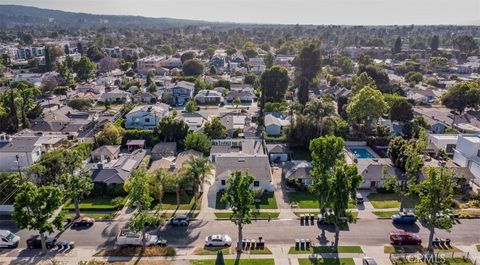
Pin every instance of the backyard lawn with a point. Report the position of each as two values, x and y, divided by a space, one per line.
314 261
391 200
232 262
308 200
326 249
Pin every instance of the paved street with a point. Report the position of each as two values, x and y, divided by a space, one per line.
365 232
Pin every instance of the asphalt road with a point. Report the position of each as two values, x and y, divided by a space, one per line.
364 232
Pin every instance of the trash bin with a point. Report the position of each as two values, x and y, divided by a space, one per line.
302 244
297 244
307 243
312 218
447 242
72 245
65 244
302 217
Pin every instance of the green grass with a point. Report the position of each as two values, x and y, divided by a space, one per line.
203 251
187 202
308 200
314 261
97 215
93 203
264 251
391 200
219 204
267 201
232 262
384 214
326 249
448 261
261 215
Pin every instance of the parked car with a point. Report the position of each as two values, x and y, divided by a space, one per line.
369 261
8 239
130 238
181 220
83 222
36 242
359 198
218 241
404 238
404 218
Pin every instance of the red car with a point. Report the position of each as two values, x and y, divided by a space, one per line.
404 238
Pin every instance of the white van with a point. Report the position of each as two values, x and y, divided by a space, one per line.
129 238
8 239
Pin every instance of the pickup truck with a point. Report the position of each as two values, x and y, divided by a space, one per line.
404 218
130 238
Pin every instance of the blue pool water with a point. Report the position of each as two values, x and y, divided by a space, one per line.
361 152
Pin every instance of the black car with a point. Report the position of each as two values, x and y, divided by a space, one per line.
83 222
35 242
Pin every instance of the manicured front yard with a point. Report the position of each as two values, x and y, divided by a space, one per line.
314 261
267 201
326 249
137 251
212 251
308 200
97 215
187 202
391 200
260 215
93 203
384 214
233 262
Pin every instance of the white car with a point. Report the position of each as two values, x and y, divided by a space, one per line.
181 220
218 241
8 239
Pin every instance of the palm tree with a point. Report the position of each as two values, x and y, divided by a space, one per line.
196 169
317 110
157 183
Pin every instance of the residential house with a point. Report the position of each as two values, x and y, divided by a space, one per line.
181 91
235 122
105 153
118 171
150 63
145 97
277 152
18 152
445 142
164 149
440 118
218 60
133 145
374 171
298 170
467 155
173 164
195 121
63 120
245 94
275 123
146 117
209 97
172 62
116 96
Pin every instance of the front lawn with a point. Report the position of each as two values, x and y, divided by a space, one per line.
267 201
233 262
219 204
256 215
97 215
212 251
187 202
136 251
391 200
314 261
93 204
326 249
384 214
308 200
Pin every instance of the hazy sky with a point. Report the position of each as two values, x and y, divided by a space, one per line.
366 12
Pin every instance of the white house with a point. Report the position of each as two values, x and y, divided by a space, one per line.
18 152
274 124
116 95
467 154
146 116
446 142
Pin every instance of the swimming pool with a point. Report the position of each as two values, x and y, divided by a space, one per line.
361 152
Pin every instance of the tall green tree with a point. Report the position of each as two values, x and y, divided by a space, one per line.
111 134
191 106
435 43
215 129
27 94
171 129
139 197
84 69
326 152
436 193
198 141
76 187
317 110
197 169
269 60
397 47
274 83
193 67
343 185
461 96
35 208
367 106
401 110
240 198
361 81
307 66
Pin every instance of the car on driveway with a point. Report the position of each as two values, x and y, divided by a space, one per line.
8 239
404 218
83 222
404 238
180 220
36 242
368 261
218 241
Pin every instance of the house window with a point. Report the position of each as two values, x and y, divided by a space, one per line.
223 182
256 183
147 120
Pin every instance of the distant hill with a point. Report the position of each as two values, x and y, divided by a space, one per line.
16 15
